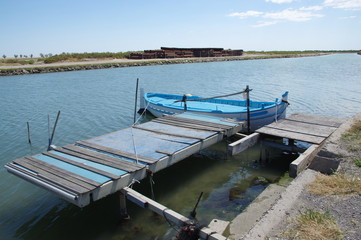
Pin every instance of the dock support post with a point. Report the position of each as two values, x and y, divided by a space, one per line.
248 111
135 100
29 140
123 206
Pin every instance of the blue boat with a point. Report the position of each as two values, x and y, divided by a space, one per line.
261 113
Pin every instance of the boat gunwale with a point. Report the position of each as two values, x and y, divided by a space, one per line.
269 105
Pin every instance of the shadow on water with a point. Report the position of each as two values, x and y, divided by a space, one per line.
229 186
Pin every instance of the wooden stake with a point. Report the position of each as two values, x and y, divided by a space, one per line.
136 99
29 133
52 135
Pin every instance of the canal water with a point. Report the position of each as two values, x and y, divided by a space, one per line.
96 102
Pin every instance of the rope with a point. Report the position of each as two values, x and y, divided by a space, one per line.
170 224
141 115
131 129
222 96
132 183
134 147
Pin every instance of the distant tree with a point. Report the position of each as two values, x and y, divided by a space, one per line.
21 55
25 56
4 56
15 55
50 54
31 55
41 55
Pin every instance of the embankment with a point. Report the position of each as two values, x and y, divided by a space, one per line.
119 63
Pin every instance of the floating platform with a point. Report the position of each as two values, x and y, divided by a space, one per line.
92 169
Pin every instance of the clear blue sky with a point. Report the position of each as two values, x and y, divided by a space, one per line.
56 26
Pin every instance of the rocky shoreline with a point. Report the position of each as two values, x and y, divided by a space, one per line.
103 64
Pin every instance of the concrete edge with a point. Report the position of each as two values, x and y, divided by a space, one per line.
284 204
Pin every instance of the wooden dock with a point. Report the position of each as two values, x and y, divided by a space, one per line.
301 127
92 169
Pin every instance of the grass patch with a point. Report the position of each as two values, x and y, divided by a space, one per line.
358 162
337 184
312 225
353 137
80 56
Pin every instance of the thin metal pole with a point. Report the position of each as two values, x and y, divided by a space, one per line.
29 133
48 130
136 99
52 135
248 111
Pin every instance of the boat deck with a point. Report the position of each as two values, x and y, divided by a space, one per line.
92 169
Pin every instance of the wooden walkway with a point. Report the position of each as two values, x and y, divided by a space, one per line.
303 127
92 169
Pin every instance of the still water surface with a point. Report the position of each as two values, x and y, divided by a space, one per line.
96 102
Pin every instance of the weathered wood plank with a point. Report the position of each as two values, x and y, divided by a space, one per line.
197 122
56 176
165 152
303 160
301 127
117 152
291 135
242 144
318 120
167 133
100 158
82 165
61 172
143 201
187 125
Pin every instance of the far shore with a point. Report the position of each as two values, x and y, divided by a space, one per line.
90 64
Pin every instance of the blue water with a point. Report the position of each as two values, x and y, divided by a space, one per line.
96 102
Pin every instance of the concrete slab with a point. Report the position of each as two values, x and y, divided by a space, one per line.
252 214
279 210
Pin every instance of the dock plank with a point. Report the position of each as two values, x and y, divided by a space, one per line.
100 158
304 128
291 135
187 125
168 133
317 120
197 122
57 176
117 152
82 165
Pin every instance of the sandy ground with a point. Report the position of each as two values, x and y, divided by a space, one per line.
58 64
